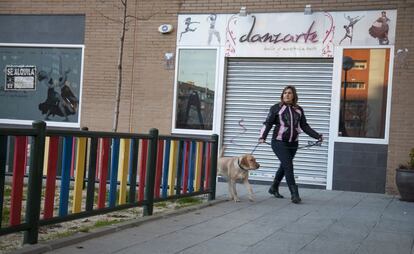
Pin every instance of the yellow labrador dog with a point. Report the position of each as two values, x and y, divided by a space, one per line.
235 168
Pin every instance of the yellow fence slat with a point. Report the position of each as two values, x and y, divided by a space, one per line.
46 157
197 176
172 169
79 174
123 169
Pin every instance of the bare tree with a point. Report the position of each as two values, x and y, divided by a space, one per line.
120 57
124 27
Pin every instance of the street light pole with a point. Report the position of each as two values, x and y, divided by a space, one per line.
347 64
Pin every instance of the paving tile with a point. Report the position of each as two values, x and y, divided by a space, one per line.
392 225
109 243
376 247
170 243
403 239
308 226
350 232
281 242
320 246
219 246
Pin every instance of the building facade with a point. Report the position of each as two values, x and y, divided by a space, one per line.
218 71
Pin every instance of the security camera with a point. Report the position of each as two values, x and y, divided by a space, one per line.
165 28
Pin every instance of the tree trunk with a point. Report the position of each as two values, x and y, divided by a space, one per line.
119 84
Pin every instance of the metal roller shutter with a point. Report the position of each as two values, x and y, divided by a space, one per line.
252 86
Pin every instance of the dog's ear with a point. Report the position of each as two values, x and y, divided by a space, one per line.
244 161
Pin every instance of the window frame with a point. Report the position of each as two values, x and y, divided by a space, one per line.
52 123
175 130
336 97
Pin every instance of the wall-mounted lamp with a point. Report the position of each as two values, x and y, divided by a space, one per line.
308 10
169 61
243 11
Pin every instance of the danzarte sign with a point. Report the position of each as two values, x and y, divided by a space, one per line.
286 34
310 36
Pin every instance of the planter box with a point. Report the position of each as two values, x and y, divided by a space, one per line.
405 183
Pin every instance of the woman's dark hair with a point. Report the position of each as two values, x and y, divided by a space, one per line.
295 95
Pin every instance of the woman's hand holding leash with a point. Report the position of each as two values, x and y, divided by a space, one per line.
320 139
260 141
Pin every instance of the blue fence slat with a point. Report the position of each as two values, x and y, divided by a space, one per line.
165 168
65 182
114 172
191 167
133 163
203 165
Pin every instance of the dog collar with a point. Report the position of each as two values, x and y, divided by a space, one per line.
240 166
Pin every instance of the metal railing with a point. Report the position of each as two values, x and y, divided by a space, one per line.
110 166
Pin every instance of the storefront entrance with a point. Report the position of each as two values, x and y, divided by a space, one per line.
252 86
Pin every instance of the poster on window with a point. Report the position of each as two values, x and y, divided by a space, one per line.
40 83
20 77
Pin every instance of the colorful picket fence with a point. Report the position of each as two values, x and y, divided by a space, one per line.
83 173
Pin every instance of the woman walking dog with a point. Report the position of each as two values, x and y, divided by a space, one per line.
289 119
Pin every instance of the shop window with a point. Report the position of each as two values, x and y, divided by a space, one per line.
363 103
40 82
196 81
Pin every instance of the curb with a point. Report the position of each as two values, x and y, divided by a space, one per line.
94 233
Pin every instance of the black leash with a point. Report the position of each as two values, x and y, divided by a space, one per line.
310 144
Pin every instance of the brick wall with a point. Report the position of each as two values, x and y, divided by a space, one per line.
147 92
402 107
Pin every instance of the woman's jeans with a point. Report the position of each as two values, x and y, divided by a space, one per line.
285 152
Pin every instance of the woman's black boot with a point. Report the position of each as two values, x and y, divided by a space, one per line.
295 194
274 189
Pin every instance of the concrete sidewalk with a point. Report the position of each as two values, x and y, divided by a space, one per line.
325 222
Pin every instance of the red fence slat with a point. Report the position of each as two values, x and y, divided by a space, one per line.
158 172
103 171
19 165
51 177
142 170
186 158
207 170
